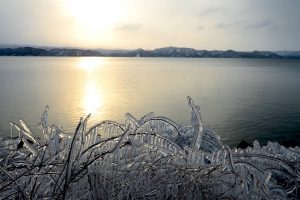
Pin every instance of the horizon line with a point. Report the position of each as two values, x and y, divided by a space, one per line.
124 49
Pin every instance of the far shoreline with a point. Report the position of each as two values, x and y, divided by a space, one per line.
166 52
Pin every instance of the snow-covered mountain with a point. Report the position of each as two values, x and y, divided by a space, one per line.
175 52
288 53
190 52
160 52
31 51
73 52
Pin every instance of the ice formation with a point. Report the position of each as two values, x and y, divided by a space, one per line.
150 158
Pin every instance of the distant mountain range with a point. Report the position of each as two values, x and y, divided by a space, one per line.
160 52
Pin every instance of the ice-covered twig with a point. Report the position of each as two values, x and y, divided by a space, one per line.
150 158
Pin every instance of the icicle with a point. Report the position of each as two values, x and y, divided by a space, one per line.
256 145
197 125
231 162
29 133
29 147
130 119
11 129
146 117
44 119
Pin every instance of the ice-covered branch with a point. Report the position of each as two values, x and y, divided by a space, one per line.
148 158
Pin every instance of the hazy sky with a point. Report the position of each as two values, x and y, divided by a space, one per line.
129 24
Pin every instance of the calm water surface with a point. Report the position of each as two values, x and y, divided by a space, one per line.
241 99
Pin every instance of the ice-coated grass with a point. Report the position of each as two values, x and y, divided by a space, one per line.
150 158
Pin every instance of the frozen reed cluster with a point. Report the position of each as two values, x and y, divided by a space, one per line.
149 158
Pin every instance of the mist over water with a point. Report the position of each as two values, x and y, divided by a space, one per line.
240 99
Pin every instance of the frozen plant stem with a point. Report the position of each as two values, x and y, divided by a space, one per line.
148 158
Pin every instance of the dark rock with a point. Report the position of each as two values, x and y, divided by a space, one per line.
243 145
290 143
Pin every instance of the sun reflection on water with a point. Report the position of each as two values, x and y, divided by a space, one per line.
90 63
92 98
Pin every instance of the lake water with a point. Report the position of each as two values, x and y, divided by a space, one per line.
241 99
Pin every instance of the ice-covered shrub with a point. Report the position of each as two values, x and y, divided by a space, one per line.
150 158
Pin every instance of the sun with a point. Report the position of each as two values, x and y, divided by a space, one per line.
94 11
93 15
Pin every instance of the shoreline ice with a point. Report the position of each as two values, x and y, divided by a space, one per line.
150 158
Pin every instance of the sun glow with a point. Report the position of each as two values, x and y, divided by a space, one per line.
93 18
